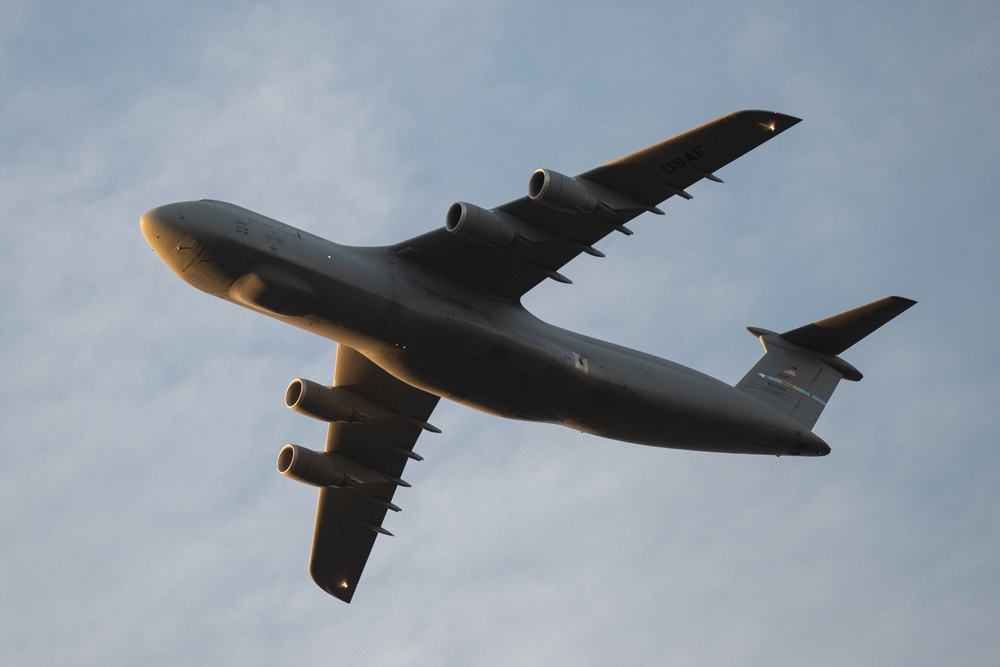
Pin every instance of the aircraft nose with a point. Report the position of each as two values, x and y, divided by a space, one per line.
162 228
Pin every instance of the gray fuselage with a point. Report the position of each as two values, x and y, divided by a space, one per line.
459 344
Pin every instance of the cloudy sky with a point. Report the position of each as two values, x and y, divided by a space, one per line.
141 517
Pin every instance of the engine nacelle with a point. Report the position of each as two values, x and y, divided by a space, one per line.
309 467
552 189
328 404
471 222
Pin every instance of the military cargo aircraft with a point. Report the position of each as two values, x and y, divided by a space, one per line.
440 316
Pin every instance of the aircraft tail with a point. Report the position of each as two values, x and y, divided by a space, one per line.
800 368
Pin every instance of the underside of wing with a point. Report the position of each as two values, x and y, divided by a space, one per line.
371 450
506 251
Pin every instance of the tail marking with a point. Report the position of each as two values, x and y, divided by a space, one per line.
786 383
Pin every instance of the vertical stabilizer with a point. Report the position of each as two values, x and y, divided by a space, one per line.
800 368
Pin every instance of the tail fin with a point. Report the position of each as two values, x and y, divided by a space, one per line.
800 368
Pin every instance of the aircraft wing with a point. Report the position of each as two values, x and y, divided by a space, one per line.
349 519
547 237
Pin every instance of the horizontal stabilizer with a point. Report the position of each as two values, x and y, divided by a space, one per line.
835 334
800 368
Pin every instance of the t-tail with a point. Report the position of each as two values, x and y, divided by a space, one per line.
801 368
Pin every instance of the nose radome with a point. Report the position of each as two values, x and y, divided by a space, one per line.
160 227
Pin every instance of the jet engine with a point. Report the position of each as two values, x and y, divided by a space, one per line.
328 404
468 221
339 404
552 189
309 467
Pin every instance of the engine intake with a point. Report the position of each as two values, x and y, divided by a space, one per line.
339 404
328 404
309 467
552 189
471 222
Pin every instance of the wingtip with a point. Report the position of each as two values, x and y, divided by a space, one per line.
774 121
906 302
790 120
338 588
780 122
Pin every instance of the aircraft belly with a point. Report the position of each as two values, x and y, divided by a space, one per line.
479 381
605 393
660 419
520 368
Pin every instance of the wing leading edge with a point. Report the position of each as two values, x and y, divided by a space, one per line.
348 519
545 237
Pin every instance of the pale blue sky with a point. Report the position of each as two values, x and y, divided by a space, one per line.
143 520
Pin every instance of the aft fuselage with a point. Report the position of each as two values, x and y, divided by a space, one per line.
483 352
